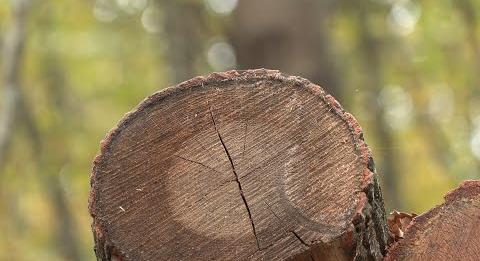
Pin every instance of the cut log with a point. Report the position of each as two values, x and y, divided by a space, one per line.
243 165
450 231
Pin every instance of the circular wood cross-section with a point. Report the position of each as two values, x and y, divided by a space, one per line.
237 165
450 231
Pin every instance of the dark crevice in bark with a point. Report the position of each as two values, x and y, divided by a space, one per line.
300 239
236 178
371 234
379 217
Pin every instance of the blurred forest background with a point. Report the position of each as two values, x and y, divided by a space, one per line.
408 71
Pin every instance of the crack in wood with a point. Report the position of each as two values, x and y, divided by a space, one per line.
202 146
219 187
293 232
198 163
290 230
236 177
299 238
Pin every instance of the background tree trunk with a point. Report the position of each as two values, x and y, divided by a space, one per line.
264 36
12 56
184 25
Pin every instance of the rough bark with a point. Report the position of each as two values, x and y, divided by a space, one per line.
450 231
244 165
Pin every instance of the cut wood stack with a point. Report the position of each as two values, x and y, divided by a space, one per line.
241 165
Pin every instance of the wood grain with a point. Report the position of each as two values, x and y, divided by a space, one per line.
241 165
450 231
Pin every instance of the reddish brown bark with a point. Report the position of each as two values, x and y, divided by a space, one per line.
450 231
243 165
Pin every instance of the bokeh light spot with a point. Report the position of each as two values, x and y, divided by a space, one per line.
475 143
151 19
403 17
221 56
104 11
132 6
222 7
441 104
398 106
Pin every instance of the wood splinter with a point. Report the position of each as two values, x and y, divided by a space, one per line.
241 165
